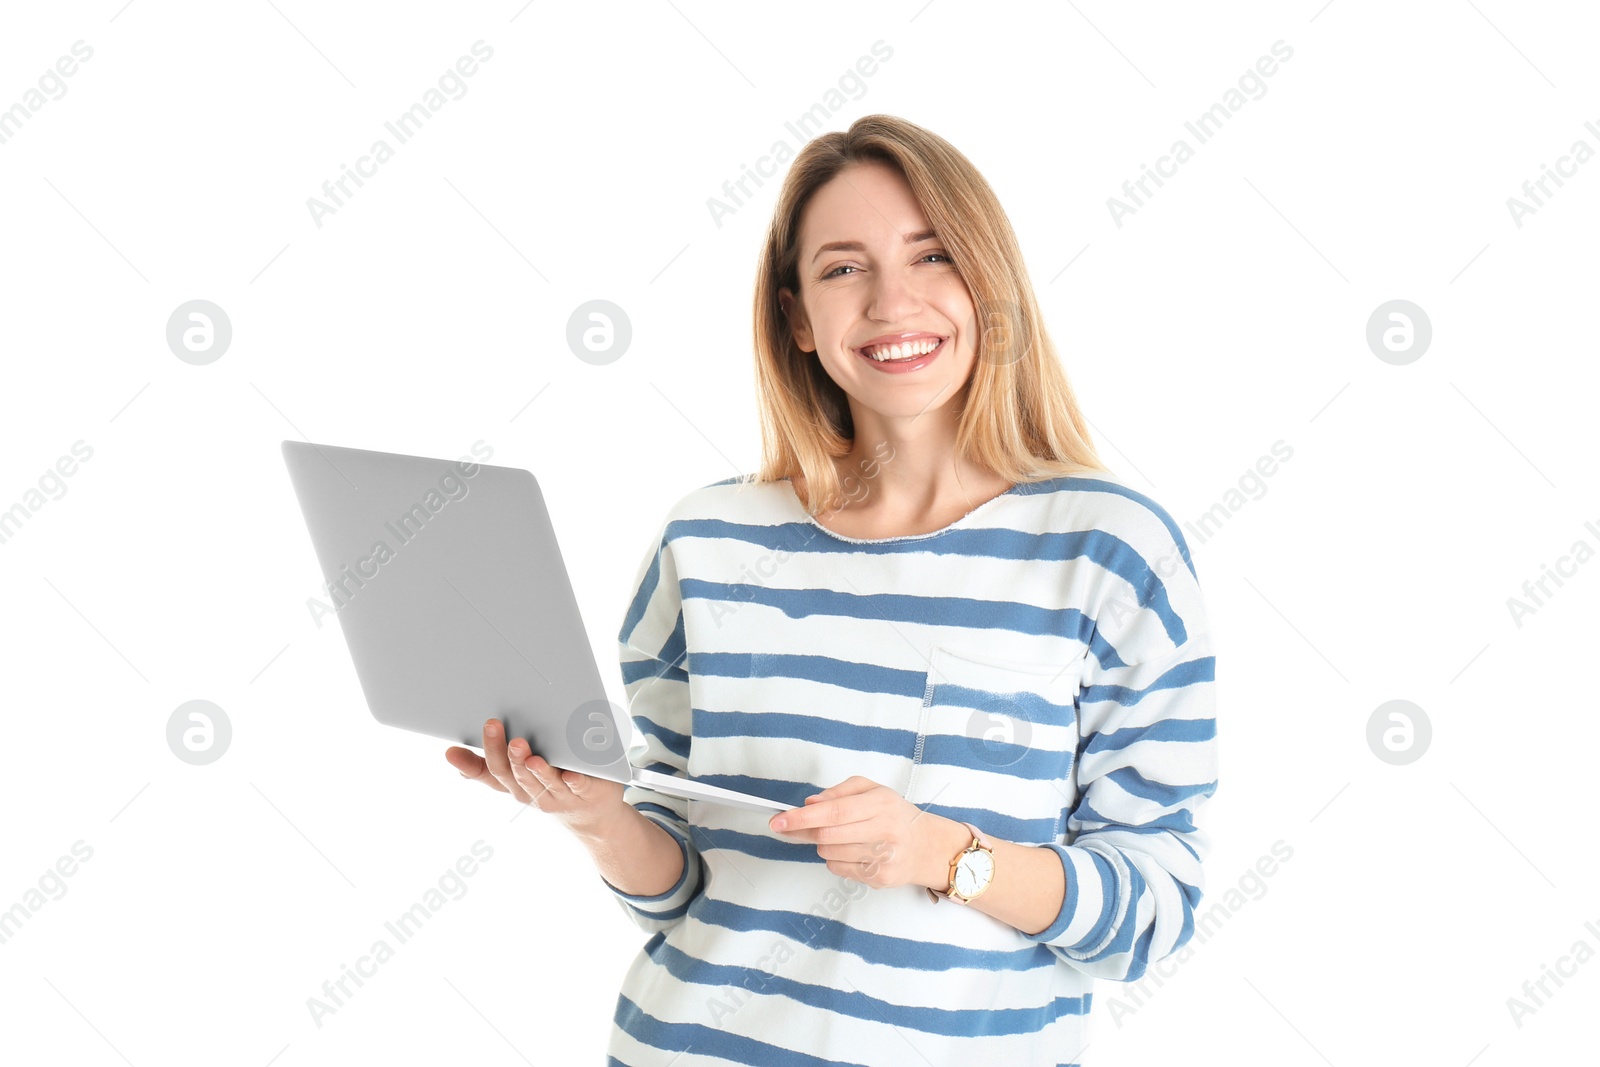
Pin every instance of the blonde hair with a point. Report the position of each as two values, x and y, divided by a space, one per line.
1020 419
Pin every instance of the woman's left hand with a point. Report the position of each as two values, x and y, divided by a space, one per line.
867 833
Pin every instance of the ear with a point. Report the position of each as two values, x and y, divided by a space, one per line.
799 325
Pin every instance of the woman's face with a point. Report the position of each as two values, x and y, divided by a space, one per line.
893 282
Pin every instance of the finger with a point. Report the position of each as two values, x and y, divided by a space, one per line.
518 754
823 812
468 762
838 834
549 778
471 765
849 787
573 781
861 852
523 768
853 872
496 754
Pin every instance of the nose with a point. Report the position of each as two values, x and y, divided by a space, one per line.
894 296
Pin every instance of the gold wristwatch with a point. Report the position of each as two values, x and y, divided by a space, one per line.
971 871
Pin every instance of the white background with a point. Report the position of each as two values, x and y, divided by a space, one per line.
429 312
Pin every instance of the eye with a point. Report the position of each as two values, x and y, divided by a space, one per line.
834 273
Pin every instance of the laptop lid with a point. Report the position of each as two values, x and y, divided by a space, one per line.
448 583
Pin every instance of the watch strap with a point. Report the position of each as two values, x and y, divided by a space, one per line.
978 842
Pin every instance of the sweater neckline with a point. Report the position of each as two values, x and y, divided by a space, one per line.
812 519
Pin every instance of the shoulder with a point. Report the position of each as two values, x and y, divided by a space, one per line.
1144 593
739 499
1106 505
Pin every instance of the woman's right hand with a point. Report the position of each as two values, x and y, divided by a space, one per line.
581 801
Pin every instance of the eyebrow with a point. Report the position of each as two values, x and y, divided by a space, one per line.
857 246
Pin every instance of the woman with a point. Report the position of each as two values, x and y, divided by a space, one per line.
976 659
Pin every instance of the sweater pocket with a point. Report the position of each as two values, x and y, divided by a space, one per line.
997 742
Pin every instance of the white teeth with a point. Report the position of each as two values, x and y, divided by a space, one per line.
884 353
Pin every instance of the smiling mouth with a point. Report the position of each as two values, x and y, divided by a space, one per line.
901 353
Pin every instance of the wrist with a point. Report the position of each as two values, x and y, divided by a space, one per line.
945 839
600 827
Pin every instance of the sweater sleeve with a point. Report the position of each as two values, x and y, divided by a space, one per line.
1146 760
655 678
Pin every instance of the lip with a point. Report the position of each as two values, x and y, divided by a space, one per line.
906 366
899 338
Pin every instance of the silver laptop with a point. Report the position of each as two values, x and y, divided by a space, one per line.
449 585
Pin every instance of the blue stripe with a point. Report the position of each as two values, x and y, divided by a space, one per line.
673 651
1104 653
950 1022
1103 549
1018 760
780 789
1031 761
1186 730
1190 672
660 809
1002 825
819 932
637 670
1122 940
1180 820
1191 901
1123 828
709 1040
1166 795
1019 704
891 681
1108 902
1141 954
757 846
815 728
642 596
674 742
864 677
965 612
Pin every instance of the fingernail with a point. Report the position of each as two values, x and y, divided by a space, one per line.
779 823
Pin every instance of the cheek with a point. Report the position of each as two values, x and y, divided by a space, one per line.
959 311
969 333
825 316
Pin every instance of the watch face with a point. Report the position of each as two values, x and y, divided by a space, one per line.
973 872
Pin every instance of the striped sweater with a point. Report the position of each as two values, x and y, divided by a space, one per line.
1041 668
